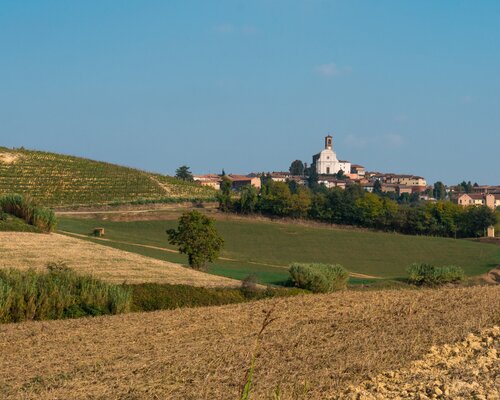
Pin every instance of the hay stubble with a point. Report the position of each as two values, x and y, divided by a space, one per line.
324 342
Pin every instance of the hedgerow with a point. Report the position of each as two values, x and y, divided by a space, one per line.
56 294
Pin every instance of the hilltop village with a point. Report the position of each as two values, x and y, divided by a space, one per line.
326 169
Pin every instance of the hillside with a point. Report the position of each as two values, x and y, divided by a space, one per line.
25 250
266 248
316 346
61 180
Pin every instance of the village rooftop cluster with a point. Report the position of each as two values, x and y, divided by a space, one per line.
332 172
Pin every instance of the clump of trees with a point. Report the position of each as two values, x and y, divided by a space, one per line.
197 237
355 206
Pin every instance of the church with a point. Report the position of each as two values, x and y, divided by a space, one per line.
326 162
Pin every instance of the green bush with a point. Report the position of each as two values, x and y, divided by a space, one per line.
319 278
430 275
42 218
57 293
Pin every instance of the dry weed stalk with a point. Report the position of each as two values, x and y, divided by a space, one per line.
268 319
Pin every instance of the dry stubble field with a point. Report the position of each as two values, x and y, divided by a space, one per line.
314 349
25 250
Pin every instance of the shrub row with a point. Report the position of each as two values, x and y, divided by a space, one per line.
423 274
56 294
40 217
156 296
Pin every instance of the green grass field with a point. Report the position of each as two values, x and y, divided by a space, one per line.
253 244
60 180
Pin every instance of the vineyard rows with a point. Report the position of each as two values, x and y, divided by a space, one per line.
56 180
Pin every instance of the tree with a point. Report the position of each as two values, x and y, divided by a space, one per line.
377 187
341 175
224 194
184 173
439 191
465 186
297 168
197 237
312 180
248 199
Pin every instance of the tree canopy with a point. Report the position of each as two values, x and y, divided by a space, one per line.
197 237
184 173
297 168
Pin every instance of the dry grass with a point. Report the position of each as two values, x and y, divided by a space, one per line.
317 346
24 250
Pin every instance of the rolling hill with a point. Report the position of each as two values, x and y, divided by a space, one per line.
266 248
60 180
32 250
314 348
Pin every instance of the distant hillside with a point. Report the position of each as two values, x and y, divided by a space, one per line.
60 180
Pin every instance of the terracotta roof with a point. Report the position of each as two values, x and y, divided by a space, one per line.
239 177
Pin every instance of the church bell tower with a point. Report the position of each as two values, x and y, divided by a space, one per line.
328 142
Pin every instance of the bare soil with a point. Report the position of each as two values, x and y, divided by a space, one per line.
316 348
25 250
8 158
466 370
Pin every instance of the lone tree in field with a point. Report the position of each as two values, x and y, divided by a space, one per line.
184 173
197 237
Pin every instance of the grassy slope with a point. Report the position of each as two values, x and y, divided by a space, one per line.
14 224
379 254
56 180
316 346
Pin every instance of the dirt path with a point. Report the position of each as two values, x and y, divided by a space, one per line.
352 274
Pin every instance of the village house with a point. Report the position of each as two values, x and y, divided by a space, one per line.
238 181
491 200
357 171
280 176
210 180
486 189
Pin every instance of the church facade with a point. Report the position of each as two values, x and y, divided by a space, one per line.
326 162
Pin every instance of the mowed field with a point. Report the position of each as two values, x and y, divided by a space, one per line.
314 348
267 248
35 250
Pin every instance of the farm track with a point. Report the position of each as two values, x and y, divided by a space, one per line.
353 274
316 347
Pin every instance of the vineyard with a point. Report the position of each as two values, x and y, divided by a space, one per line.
60 180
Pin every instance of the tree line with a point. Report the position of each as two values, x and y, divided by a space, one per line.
354 206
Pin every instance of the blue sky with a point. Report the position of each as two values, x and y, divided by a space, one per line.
403 86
